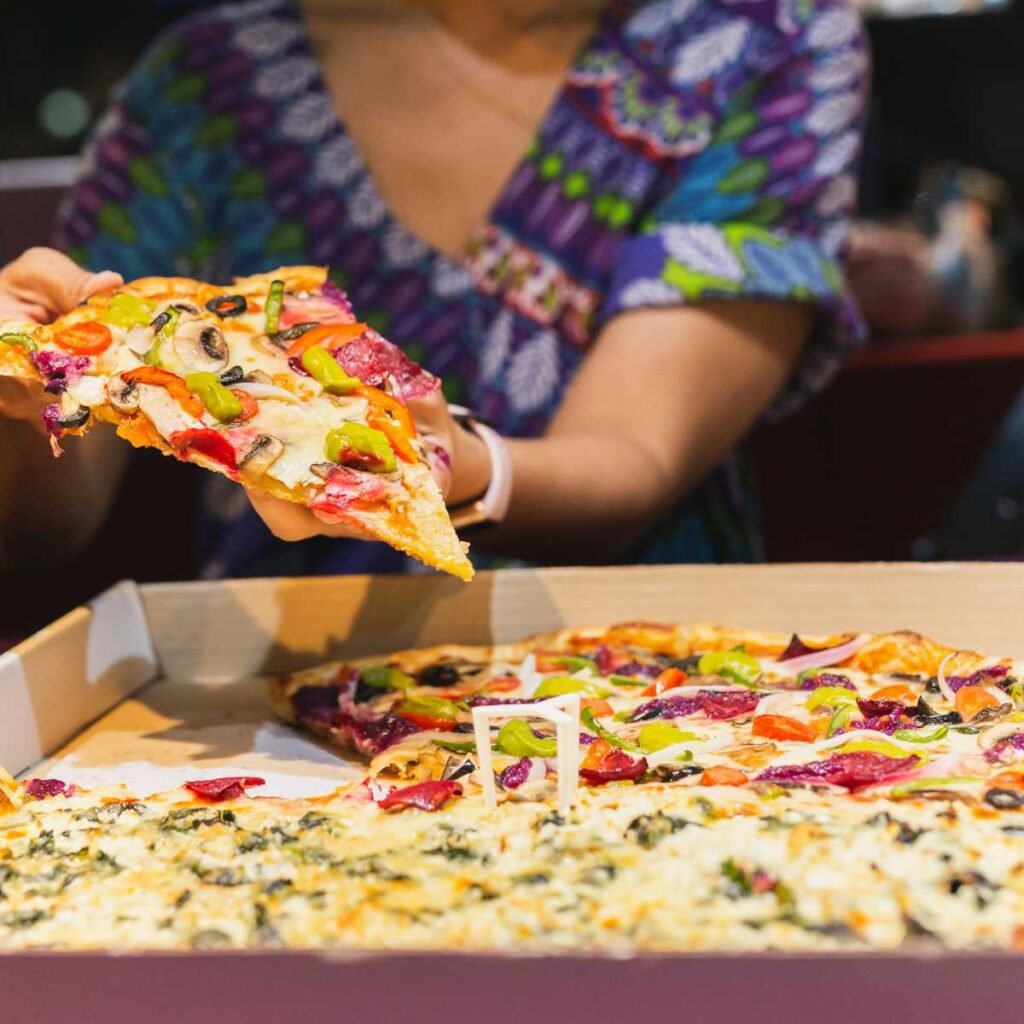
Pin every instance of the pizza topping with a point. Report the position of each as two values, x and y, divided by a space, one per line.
657 736
360 447
227 305
40 789
1005 799
210 443
84 339
738 666
517 739
347 488
522 771
853 771
429 712
373 732
122 395
219 400
781 727
615 766
231 787
386 677
327 371
201 346
273 305
374 360
830 697
174 385
74 420
316 704
723 775
164 327
19 339
822 658
61 371
425 796
128 311
815 680
255 460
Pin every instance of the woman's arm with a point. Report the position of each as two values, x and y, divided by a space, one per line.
661 399
48 507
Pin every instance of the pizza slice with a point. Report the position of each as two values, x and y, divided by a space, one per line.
271 381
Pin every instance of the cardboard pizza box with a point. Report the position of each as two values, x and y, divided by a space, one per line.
152 684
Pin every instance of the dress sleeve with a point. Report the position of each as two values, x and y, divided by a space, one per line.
762 212
138 205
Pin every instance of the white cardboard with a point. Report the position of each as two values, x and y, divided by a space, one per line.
72 672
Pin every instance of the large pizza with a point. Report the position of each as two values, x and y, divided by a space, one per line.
738 791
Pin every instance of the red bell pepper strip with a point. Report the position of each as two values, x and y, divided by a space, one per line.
231 787
176 387
249 405
429 722
427 796
616 766
210 443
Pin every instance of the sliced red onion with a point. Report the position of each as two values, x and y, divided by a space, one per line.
825 658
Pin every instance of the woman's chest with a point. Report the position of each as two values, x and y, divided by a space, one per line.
441 130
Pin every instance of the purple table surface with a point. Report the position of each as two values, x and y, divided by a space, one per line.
437 989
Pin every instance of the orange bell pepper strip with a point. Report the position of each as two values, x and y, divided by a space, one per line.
392 419
667 680
723 775
780 727
598 706
249 405
596 753
972 700
176 387
332 334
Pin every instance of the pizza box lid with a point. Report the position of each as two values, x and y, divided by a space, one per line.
156 682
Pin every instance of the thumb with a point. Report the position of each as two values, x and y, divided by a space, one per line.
101 282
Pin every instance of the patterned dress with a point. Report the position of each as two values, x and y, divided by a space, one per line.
698 149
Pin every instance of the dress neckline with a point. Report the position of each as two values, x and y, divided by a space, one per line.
363 177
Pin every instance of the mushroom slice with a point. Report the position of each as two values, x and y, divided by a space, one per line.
201 346
122 396
75 419
264 451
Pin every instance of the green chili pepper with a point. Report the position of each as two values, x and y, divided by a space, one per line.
840 720
830 696
128 311
737 666
627 680
573 663
913 736
166 324
327 371
385 677
432 707
19 339
368 447
919 785
272 309
517 739
456 748
873 747
1015 693
555 686
590 721
218 399
658 735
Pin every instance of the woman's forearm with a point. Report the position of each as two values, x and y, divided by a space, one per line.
663 398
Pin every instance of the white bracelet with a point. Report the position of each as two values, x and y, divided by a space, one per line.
492 507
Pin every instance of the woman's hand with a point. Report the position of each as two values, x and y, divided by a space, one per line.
458 460
39 286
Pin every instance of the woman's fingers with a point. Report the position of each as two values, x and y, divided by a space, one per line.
45 281
291 522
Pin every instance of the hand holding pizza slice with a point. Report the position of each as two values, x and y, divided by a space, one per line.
271 382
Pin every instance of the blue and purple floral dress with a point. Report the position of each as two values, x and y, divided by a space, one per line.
698 149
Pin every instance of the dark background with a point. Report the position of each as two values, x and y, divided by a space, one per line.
874 470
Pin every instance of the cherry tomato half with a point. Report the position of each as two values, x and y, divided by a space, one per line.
85 339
